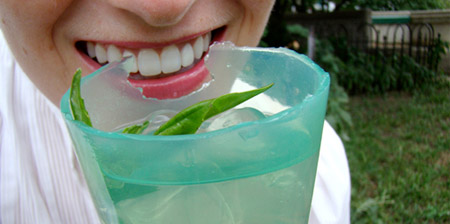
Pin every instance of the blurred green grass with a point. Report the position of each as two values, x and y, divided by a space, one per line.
399 157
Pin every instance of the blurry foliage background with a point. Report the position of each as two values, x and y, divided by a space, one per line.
393 116
353 71
376 5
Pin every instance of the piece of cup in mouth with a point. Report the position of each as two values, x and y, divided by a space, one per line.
163 73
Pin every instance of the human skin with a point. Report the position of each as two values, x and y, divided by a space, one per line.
42 34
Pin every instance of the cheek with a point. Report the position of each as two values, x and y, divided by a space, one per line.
261 6
28 27
30 23
35 13
255 16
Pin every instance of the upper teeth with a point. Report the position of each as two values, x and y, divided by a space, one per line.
149 62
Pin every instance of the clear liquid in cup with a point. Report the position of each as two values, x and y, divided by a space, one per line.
281 196
258 169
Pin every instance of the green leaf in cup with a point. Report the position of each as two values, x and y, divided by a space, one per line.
190 119
136 129
185 122
77 107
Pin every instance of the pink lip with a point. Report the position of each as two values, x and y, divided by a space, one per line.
169 87
175 86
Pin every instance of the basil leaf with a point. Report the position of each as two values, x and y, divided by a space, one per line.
189 120
77 107
186 122
228 101
136 129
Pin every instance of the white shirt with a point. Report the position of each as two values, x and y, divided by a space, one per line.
40 181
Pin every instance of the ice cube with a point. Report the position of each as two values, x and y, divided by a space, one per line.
231 118
156 119
196 204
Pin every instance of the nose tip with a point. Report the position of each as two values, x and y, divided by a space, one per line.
156 12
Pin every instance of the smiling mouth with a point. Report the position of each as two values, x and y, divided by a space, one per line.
162 72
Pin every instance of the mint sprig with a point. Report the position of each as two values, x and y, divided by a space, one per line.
77 107
189 120
186 121
136 129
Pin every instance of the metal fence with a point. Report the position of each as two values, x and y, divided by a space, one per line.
417 41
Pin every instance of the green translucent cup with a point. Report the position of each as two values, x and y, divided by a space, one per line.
255 172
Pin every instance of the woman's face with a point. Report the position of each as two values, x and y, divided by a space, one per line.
51 38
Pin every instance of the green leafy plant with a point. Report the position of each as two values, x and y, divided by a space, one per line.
77 107
189 120
295 37
136 129
377 72
185 122
438 51
337 111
